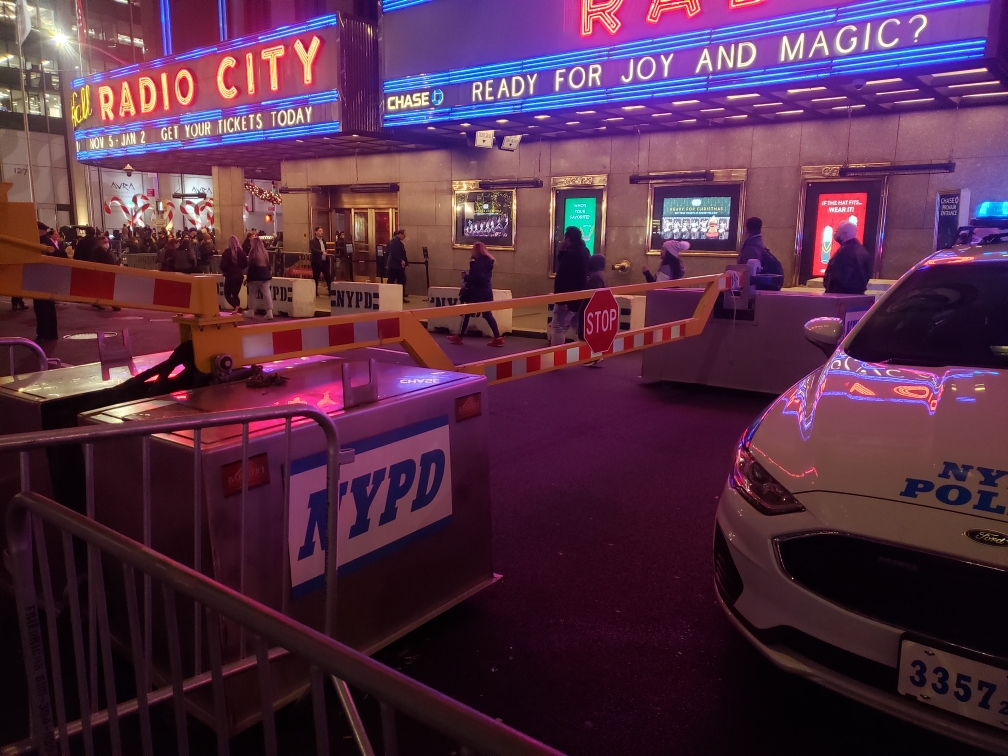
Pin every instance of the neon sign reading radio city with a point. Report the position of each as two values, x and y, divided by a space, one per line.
163 91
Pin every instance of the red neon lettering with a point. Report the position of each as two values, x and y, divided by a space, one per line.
148 95
603 11
308 56
164 90
733 4
227 92
105 100
272 54
250 73
126 101
184 75
658 7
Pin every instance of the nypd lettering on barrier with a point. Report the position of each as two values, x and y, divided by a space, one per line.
977 493
354 300
398 488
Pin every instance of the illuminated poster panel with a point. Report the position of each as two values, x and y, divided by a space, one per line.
834 209
585 52
707 216
281 84
484 216
582 213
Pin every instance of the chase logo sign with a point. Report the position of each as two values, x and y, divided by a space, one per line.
961 487
397 489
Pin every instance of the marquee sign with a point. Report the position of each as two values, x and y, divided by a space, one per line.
280 84
584 52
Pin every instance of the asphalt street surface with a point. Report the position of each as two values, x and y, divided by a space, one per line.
604 635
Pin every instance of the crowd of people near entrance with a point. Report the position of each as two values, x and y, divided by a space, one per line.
247 262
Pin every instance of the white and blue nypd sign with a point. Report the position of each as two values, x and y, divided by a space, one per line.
397 489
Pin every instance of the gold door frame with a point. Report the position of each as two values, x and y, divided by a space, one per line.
720 176
597 181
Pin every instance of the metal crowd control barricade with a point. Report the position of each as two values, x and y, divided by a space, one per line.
13 343
64 701
415 531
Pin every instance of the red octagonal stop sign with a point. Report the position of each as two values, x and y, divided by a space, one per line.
601 321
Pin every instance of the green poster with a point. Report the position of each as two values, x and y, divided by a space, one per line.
580 212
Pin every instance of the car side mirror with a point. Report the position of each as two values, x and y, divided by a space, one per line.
825 333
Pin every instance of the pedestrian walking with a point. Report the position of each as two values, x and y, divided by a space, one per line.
320 260
396 262
477 286
571 275
103 255
45 309
234 263
670 268
259 277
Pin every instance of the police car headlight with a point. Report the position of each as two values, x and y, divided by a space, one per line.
758 487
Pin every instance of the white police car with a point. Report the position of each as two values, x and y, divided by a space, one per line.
862 539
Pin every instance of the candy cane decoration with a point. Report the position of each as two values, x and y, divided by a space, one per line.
125 206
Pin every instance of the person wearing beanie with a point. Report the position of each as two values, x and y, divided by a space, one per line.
670 268
850 268
596 272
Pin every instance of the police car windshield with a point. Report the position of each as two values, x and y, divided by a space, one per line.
952 313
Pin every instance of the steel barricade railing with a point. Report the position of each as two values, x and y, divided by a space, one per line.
273 633
87 437
13 342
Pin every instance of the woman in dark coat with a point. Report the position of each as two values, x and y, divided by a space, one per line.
234 263
477 286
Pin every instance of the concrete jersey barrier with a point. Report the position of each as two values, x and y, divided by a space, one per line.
350 297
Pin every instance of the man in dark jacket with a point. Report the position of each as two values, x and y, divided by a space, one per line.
753 246
85 249
850 268
45 309
571 275
319 260
396 262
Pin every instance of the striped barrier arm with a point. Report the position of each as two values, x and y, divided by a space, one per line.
75 281
553 358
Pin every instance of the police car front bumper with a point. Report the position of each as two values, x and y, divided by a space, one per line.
805 634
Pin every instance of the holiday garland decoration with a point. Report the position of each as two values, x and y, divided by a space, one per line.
266 195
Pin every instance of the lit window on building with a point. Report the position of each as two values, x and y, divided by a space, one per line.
54 107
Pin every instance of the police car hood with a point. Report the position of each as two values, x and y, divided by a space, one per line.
870 429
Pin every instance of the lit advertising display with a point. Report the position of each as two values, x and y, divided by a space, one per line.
696 218
583 52
834 209
486 217
582 213
279 84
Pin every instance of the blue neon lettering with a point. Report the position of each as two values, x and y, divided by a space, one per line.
984 499
428 487
401 476
962 495
915 486
363 499
959 473
991 477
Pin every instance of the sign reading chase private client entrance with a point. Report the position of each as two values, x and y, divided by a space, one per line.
617 50
280 84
